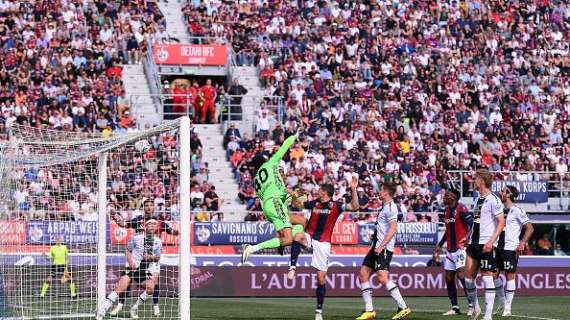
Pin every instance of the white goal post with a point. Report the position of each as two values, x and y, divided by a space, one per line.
81 193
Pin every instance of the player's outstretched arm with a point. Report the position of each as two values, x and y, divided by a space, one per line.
284 148
354 205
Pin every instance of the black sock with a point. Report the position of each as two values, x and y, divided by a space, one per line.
321 291
452 293
155 294
295 252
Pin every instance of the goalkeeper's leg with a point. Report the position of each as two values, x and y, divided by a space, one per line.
72 288
276 212
45 285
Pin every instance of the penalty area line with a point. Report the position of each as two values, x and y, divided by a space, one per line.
513 316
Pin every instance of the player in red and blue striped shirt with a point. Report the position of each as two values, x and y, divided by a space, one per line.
324 215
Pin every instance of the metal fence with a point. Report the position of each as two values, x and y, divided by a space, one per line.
237 108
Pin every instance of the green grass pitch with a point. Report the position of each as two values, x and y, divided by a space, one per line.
539 308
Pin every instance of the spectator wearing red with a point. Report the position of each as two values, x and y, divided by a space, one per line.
194 100
178 99
208 96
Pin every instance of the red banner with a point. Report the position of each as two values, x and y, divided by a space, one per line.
168 239
120 235
190 54
13 232
343 282
213 250
350 250
345 233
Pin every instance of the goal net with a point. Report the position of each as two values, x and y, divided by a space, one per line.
72 206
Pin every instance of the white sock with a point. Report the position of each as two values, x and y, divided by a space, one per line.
510 292
108 303
500 290
366 292
472 292
142 298
395 293
489 296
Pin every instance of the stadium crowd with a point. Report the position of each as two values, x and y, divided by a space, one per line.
61 70
61 61
403 91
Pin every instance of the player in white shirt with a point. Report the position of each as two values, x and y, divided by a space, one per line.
488 223
143 256
380 255
510 245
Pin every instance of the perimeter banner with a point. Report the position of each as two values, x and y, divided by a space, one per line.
413 233
343 282
13 232
530 191
224 233
190 54
73 232
207 233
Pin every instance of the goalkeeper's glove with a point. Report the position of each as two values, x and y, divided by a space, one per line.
286 199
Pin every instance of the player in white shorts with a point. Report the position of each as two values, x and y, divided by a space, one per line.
458 221
143 257
510 245
324 213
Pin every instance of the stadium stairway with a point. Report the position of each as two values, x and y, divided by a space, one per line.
248 77
175 24
221 175
138 92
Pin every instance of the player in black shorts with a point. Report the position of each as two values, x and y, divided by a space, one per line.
137 223
512 242
143 256
488 222
59 256
380 255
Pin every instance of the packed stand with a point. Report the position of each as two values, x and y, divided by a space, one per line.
204 201
408 90
61 61
61 70
69 191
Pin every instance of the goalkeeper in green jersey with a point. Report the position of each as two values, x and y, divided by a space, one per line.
274 198
59 256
